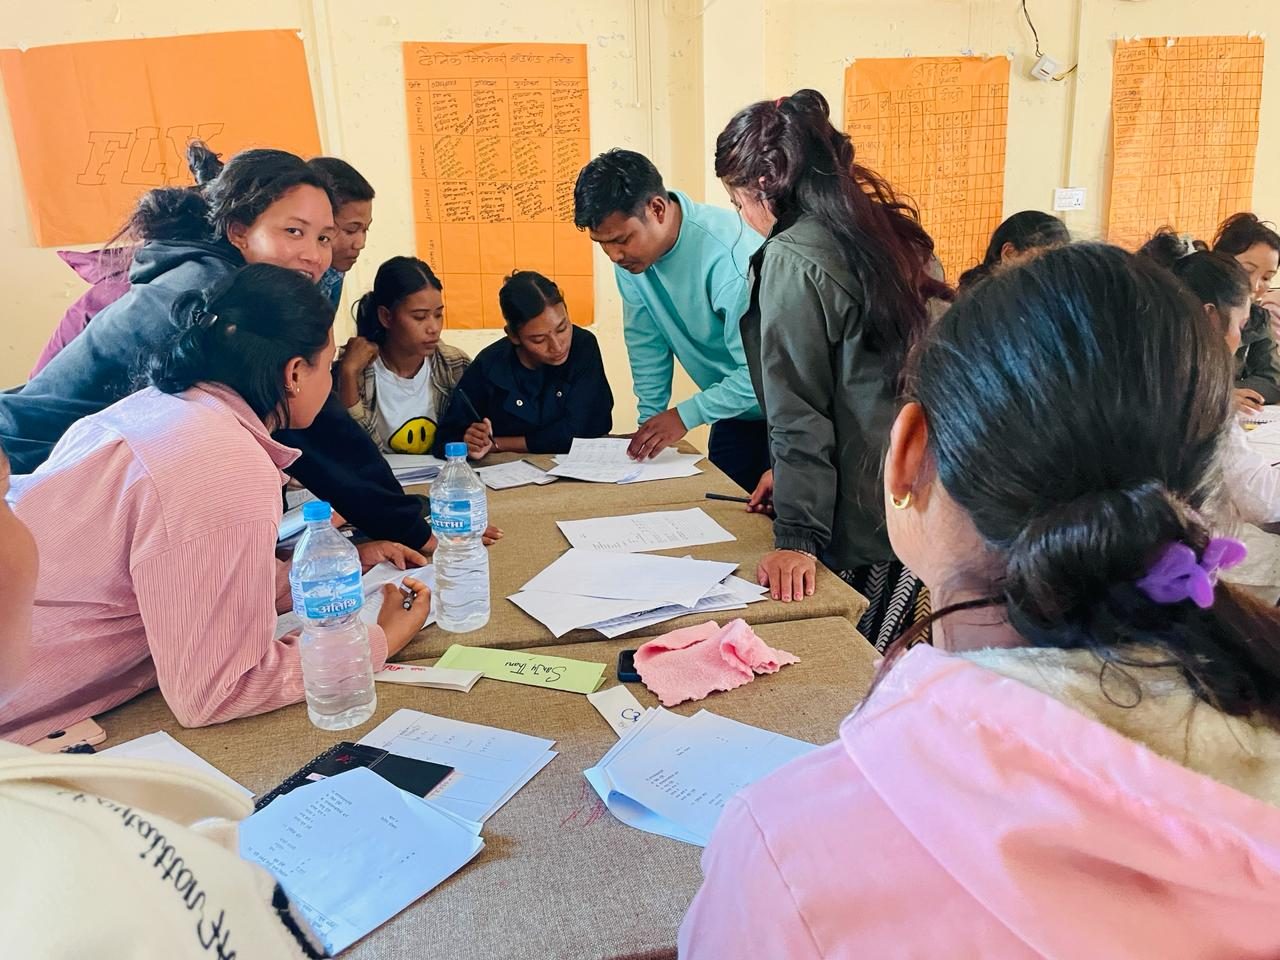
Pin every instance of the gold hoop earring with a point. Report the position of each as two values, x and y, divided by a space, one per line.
900 504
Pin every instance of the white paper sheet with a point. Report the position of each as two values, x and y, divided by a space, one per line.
605 460
560 612
372 583
353 850
619 707
517 473
412 468
671 468
492 764
631 576
638 532
681 777
596 472
162 747
440 678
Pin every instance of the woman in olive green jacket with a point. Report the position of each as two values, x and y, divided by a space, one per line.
840 292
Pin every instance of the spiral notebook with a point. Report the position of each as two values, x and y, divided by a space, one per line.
422 778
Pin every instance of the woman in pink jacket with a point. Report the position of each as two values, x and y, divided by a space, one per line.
157 521
1086 763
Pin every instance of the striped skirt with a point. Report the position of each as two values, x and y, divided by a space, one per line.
896 596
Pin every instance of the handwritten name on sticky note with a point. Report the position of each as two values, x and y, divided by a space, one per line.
535 670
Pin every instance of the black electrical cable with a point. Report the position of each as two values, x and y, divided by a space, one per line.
1026 13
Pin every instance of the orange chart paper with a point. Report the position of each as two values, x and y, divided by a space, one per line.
98 124
1184 133
497 135
934 127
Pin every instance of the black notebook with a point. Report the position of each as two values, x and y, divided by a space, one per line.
419 777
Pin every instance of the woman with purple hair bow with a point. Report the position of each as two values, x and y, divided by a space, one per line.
1086 761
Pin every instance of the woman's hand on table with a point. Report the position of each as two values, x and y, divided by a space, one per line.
1248 401
789 574
402 616
397 554
762 497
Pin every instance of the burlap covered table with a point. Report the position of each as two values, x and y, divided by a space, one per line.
559 877
528 515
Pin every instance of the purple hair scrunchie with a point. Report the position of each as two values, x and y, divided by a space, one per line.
1177 575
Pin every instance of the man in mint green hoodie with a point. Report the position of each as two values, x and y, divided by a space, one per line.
681 269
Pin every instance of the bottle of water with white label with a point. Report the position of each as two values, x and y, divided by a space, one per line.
327 596
459 517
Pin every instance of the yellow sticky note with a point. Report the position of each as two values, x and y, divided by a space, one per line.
535 670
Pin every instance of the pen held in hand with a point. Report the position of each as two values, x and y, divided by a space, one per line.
730 499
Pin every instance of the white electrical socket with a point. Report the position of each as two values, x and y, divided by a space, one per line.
1046 68
1068 198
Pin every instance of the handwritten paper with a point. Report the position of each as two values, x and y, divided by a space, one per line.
97 124
672 776
437 677
517 473
605 460
533 669
497 135
492 764
1184 133
934 127
640 532
162 748
353 850
618 706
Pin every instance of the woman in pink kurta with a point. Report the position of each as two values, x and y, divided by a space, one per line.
1087 763
157 522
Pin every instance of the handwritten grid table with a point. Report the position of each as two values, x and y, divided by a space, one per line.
935 128
1184 134
497 135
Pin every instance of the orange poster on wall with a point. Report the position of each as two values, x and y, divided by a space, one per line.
98 124
935 128
497 135
1184 132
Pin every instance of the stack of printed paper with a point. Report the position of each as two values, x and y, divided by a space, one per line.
372 582
615 593
492 764
672 776
410 468
605 460
353 850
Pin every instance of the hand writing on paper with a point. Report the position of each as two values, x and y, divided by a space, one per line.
656 434
400 622
789 574
479 439
397 554
762 497
1248 401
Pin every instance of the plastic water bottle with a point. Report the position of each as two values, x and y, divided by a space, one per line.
459 517
328 595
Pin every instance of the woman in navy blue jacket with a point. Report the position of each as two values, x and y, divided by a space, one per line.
536 389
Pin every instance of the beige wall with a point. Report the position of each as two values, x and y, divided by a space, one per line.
665 76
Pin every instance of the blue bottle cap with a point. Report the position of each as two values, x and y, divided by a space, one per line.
315 510
455 450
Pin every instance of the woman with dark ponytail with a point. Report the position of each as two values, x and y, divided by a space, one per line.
395 376
1020 237
168 575
170 213
1086 763
265 206
842 289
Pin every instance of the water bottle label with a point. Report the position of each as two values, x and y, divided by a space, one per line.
456 518
337 599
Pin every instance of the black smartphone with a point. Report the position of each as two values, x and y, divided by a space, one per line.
627 667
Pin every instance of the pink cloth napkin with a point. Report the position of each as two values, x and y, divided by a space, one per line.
689 663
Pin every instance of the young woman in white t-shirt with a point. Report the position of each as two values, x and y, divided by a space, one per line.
395 376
